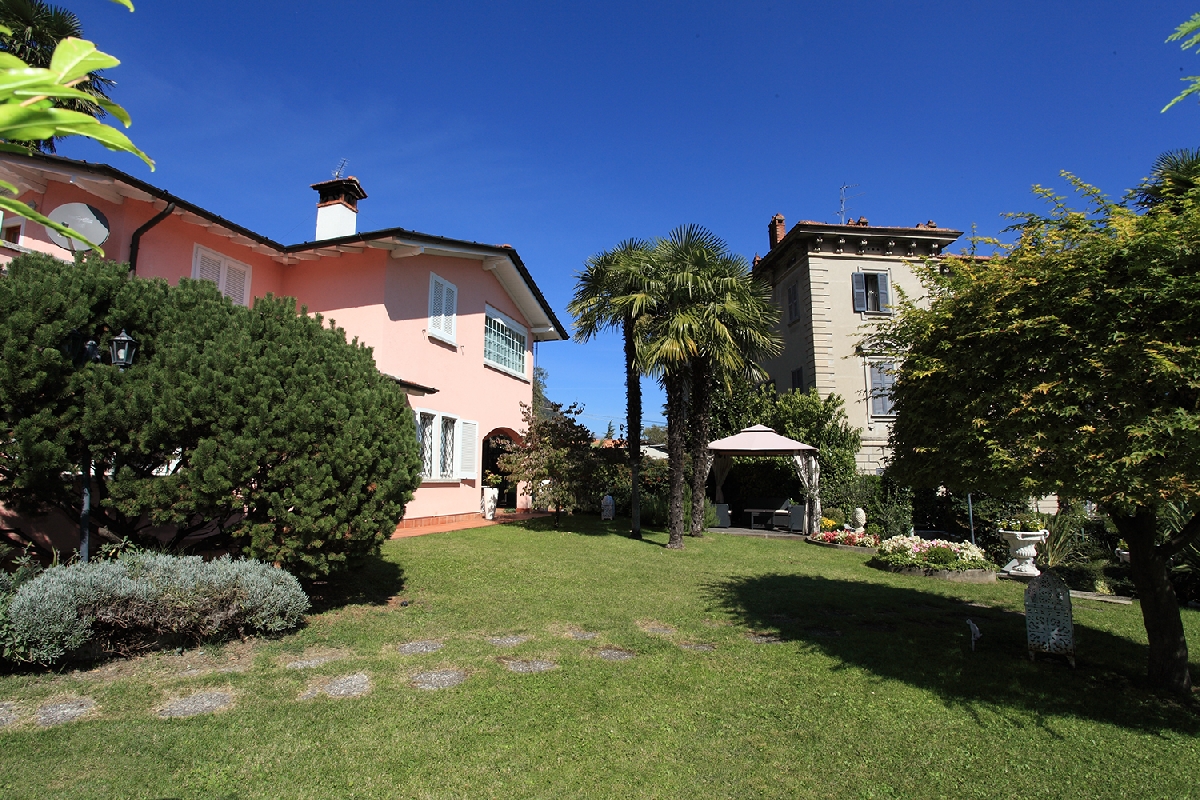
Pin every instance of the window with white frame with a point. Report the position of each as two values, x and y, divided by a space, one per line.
448 445
504 342
13 229
793 301
443 308
871 292
231 277
883 377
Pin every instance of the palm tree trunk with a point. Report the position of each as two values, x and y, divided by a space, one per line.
676 386
1167 664
633 428
701 414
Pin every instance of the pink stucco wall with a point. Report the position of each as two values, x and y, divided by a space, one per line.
383 301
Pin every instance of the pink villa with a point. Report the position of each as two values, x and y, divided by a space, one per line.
452 321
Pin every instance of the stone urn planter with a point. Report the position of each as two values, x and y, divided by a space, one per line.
491 495
1022 546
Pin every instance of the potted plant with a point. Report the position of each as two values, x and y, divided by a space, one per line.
491 494
1122 551
1023 534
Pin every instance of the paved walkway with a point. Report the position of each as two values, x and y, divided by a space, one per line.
462 525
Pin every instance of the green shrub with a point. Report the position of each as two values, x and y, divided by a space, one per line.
836 514
265 424
940 556
655 510
144 600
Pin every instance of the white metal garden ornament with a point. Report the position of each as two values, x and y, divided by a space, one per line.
975 634
1022 546
608 507
1048 621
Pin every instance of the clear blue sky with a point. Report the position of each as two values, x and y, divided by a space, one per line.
562 128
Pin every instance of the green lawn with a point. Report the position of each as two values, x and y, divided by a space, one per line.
872 692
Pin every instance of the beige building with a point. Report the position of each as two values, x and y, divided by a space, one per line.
831 280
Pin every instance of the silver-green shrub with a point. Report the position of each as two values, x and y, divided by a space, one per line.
142 600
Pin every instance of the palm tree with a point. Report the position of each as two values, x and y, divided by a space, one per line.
1174 173
710 321
616 290
737 330
37 28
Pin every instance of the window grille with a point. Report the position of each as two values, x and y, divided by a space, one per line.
504 343
447 450
425 434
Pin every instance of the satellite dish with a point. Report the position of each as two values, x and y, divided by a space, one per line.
80 217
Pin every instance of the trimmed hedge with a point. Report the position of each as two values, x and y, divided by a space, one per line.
141 601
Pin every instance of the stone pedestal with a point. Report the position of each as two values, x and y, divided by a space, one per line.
1048 621
1022 546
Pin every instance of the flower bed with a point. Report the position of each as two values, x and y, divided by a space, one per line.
845 538
906 552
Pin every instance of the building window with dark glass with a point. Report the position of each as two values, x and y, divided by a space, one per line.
871 292
793 301
798 378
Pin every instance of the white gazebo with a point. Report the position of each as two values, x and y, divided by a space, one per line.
759 440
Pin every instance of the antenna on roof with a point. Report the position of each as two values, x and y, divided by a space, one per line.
842 207
340 171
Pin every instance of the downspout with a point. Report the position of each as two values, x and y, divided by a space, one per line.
136 241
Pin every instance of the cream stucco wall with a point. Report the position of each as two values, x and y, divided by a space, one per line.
822 337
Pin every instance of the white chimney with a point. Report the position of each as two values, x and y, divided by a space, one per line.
337 208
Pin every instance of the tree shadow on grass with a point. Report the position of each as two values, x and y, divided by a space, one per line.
370 580
582 525
922 639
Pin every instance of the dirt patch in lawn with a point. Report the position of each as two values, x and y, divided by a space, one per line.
438 679
206 702
354 685
62 710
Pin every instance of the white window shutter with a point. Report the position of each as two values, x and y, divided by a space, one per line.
858 281
436 292
235 284
449 310
209 269
884 296
468 453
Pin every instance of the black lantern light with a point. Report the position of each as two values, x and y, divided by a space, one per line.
122 347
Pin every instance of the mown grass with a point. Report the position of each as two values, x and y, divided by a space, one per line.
872 692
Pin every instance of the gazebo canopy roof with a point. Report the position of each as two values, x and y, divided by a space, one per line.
758 440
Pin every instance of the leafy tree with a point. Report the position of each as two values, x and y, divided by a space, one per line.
555 459
260 428
613 292
1189 33
710 321
1069 364
655 434
540 401
31 100
36 29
